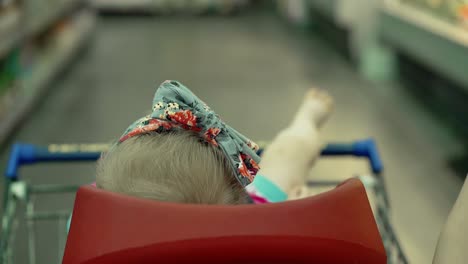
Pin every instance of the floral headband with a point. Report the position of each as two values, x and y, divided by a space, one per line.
176 107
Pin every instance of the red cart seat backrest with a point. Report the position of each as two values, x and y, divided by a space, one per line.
334 227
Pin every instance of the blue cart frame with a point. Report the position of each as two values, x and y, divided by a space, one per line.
17 191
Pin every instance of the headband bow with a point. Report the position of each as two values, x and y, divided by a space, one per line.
176 107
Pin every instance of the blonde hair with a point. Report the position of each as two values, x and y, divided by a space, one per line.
173 167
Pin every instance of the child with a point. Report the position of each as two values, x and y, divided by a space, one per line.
183 152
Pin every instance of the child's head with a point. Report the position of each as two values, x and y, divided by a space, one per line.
181 152
175 167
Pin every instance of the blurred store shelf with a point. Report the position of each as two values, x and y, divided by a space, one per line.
13 29
433 41
433 33
325 7
35 24
9 29
351 27
34 50
168 6
59 54
123 6
344 13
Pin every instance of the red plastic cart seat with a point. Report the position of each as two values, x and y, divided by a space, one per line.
333 227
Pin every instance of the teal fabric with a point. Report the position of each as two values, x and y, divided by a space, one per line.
175 107
269 190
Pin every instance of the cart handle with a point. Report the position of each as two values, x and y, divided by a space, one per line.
25 154
361 148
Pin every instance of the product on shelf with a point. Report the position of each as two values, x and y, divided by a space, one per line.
10 16
455 11
9 70
296 11
462 13
40 15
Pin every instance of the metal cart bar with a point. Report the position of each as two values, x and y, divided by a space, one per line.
26 154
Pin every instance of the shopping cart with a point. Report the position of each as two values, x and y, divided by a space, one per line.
19 194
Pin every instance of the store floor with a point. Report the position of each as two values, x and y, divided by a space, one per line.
254 71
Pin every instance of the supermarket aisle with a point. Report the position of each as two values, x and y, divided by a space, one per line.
253 70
